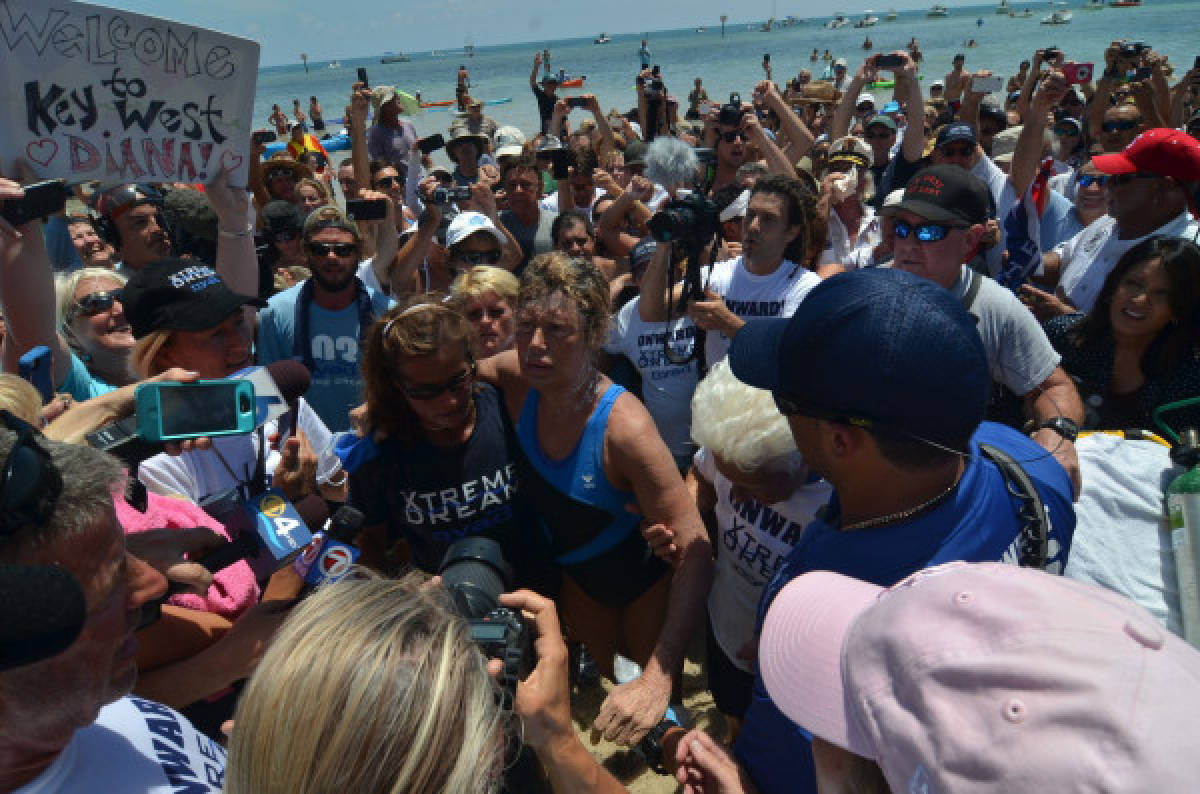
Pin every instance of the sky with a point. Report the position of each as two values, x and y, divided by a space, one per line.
360 28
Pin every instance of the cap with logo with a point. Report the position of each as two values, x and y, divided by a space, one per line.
947 194
853 150
467 223
956 131
509 141
173 294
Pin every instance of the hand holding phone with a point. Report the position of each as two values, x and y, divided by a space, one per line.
576 102
362 77
263 136
40 199
889 61
170 411
366 209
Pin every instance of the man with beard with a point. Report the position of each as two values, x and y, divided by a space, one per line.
321 321
132 222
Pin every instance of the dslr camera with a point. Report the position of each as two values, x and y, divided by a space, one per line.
731 114
444 195
692 218
1133 49
476 573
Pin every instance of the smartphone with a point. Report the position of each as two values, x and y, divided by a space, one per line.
366 209
362 77
561 160
987 85
655 71
35 366
889 61
766 57
735 99
169 411
40 199
1077 73
576 102
431 143
263 136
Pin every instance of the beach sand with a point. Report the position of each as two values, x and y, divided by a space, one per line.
625 764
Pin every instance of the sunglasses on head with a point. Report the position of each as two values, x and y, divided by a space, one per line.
431 391
1116 180
387 181
730 137
480 257
1087 180
925 232
30 484
93 303
1118 126
337 249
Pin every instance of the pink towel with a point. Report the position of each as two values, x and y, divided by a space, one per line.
234 589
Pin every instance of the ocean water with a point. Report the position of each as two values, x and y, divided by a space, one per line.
732 63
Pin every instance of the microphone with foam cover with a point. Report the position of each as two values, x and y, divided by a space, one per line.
670 161
42 610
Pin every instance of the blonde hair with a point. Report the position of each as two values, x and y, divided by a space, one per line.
319 186
741 424
146 350
19 398
65 286
372 685
478 281
579 280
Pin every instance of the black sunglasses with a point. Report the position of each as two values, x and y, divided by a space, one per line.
92 304
278 172
337 249
431 391
387 181
1116 180
30 484
1115 126
730 137
474 258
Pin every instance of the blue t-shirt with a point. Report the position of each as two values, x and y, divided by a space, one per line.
1058 222
977 523
336 381
81 384
59 247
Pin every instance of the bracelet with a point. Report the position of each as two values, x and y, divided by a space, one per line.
339 483
247 232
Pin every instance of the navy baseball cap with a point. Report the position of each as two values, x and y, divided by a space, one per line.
956 131
947 194
173 294
878 348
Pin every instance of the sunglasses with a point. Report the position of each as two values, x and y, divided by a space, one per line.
30 485
431 391
1087 180
275 173
1116 180
93 303
961 150
730 137
387 181
480 257
925 232
1116 126
337 249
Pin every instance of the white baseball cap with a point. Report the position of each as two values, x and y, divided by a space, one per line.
508 141
467 223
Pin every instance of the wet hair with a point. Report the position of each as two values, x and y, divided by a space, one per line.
525 161
423 325
800 206
1180 339
570 218
579 281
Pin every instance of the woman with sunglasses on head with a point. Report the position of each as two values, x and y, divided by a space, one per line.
1139 347
436 462
591 452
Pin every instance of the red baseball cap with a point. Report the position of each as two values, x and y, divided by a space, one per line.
1162 151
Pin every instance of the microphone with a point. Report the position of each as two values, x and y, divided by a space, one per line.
266 522
42 610
329 557
670 161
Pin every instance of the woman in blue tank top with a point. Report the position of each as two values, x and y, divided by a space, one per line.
594 466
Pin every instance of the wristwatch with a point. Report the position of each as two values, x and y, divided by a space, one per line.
1063 426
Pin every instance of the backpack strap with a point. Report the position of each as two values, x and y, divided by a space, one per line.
968 298
1035 523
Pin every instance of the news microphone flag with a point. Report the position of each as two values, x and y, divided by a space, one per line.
1023 230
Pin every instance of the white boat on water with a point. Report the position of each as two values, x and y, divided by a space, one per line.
1057 18
869 20
938 10
394 57
838 21
1092 5
603 38
1003 8
891 16
335 65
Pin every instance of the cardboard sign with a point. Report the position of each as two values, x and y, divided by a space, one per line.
93 93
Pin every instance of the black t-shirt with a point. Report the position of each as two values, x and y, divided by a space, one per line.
434 496
545 107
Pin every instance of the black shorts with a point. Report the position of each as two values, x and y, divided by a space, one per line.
731 686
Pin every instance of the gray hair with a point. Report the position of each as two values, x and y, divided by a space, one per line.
89 477
740 424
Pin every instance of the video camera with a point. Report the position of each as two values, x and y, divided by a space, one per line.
444 195
476 573
692 217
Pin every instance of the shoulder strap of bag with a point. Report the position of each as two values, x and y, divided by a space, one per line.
1035 523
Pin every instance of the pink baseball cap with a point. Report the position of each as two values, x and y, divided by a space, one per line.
987 678
1160 151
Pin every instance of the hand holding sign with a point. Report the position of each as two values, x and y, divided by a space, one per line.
98 93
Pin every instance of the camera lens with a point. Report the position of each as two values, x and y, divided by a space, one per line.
475 573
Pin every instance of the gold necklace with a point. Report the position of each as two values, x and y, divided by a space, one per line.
900 515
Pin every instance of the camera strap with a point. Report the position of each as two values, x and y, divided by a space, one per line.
302 344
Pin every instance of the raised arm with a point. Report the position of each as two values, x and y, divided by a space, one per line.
356 124
794 131
777 162
533 75
1027 157
237 261
606 144
845 109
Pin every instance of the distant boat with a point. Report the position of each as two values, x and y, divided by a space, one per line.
334 65
838 21
394 57
1003 7
938 10
469 50
1124 3
869 20
766 26
1024 13
700 29
891 16
1092 5
791 21
603 38
1057 18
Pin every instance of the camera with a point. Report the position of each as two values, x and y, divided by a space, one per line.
444 195
692 217
731 114
476 573
1132 49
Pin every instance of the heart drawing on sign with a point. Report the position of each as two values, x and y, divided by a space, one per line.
230 160
42 152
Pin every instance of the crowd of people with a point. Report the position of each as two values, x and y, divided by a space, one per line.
854 402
